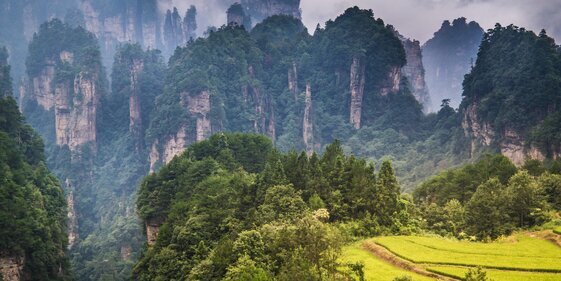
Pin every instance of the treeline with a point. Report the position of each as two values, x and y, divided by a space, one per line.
490 198
234 208
32 204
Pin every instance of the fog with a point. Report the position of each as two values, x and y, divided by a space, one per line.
419 19
209 12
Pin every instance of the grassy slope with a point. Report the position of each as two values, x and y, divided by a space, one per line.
375 268
557 230
498 275
524 253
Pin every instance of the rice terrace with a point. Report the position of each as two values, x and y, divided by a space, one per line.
524 256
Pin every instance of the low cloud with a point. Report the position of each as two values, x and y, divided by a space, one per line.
419 19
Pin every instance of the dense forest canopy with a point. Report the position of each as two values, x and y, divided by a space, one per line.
32 203
233 206
515 85
217 132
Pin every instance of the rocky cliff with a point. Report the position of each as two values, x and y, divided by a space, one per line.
76 111
135 113
259 10
308 129
357 91
508 141
414 71
11 268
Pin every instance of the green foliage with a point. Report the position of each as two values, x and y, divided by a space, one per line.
515 81
5 78
487 211
527 198
488 199
403 278
32 204
244 216
476 274
54 37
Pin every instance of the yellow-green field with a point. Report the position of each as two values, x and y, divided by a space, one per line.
521 252
374 268
497 275
521 257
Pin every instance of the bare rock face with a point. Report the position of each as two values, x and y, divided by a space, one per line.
175 145
259 10
481 132
199 107
42 92
11 268
72 220
135 123
126 26
392 82
235 19
293 80
91 18
126 252
510 143
154 156
152 229
357 91
272 129
415 72
308 132
75 113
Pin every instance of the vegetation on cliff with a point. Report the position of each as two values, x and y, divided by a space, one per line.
232 206
32 203
515 86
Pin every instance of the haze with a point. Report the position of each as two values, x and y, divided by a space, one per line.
419 19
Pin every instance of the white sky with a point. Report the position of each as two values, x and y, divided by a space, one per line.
419 19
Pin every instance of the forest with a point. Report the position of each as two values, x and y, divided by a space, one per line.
135 146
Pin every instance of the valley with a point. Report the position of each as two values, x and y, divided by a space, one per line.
136 142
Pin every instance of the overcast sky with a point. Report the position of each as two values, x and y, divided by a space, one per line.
419 19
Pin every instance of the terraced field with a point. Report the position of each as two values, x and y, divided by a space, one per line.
375 268
531 256
459 272
521 252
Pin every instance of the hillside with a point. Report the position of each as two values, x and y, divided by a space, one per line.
232 207
205 124
32 203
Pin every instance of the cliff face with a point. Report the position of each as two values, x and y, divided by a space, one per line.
391 84
259 10
74 101
135 114
199 107
415 72
127 25
72 220
41 86
293 80
510 143
357 91
76 111
11 268
308 130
